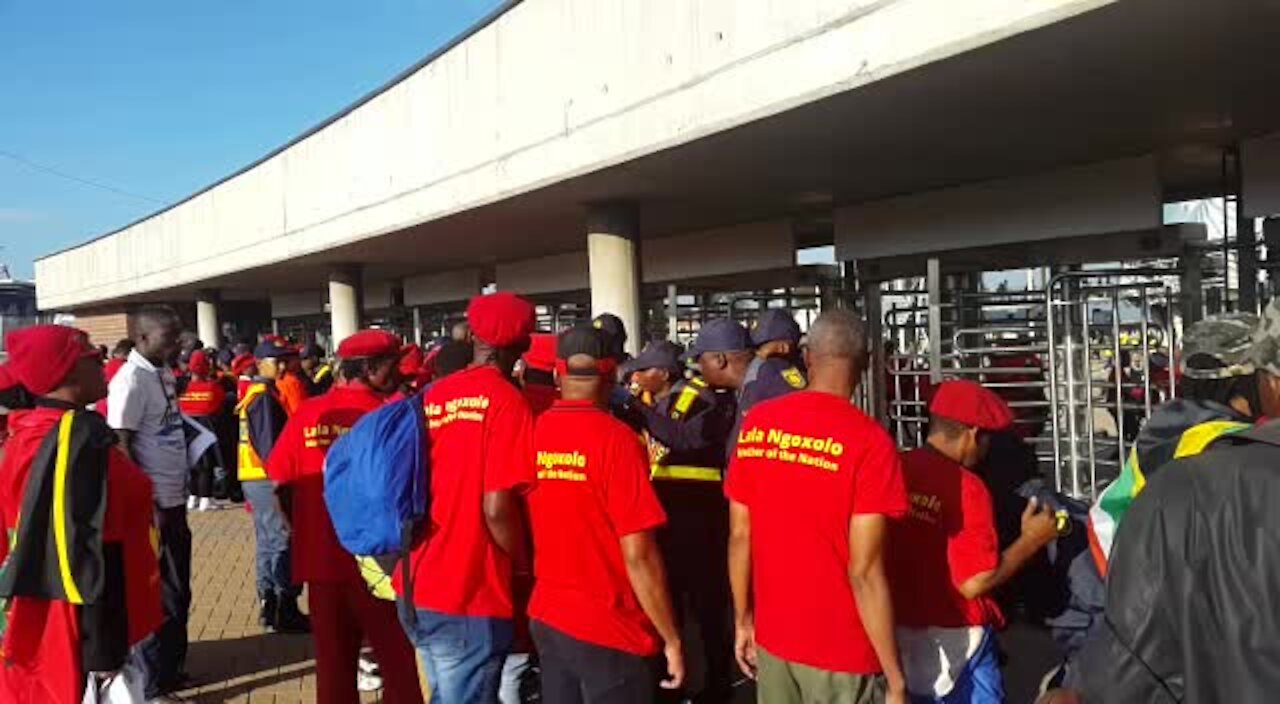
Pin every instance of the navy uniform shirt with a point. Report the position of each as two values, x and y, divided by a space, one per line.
692 431
266 420
766 379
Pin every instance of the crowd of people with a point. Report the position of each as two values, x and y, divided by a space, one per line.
609 528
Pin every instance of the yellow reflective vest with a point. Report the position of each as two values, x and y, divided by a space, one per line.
251 466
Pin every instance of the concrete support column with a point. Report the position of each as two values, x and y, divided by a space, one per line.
344 302
613 254
207 325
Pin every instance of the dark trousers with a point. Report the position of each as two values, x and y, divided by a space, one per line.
694 545
577 672
163 654
202 476
343 616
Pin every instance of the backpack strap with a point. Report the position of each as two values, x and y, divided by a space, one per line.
409 528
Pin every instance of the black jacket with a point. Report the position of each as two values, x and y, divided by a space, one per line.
1193 595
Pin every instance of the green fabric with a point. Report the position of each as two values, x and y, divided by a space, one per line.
781 682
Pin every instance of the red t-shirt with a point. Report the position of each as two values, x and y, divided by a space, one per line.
481 441
297 461
202 397
948 536
805 464
593 489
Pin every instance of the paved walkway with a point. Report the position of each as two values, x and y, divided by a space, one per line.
231 659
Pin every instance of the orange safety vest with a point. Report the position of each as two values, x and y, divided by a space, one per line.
250 465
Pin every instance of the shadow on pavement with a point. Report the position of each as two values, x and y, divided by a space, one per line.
258 657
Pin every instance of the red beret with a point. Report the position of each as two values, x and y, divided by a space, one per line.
369 343
542 352
971 404
500 319
41 356
411 359
199 363
242 364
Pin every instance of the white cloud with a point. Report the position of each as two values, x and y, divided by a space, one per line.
18 215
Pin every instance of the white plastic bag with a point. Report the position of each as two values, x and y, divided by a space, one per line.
124 687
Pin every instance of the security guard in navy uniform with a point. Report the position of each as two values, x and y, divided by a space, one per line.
776 335
685 424
727 360
615 336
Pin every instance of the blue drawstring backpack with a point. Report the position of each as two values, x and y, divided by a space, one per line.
377 485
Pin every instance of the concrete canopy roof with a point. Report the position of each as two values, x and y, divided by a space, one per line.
1178 78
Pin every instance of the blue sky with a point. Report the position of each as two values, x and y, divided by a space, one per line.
160 99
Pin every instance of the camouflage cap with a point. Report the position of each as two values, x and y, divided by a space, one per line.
1229 339
1264 354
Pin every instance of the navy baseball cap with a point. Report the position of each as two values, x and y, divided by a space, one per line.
615 334
720 335
775 324
273 349
659 354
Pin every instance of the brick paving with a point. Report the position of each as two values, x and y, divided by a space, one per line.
231 659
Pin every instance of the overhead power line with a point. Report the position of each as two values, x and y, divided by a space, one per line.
72 177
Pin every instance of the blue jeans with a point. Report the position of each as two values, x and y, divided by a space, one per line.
271 534
462 655
979 683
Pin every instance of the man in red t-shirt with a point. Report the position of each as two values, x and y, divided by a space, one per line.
813 486
204 400
480 432
343 612
536 373
946 563
600 609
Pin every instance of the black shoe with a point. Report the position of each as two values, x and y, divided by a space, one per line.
268 605
289 619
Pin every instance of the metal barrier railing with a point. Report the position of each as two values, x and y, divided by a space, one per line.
1078 339
1081 362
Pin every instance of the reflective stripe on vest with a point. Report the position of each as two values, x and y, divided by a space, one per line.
688 394
250 465
323 372
683 473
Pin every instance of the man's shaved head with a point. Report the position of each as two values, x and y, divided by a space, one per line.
838 334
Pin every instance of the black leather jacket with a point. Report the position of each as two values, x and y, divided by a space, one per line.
1193 596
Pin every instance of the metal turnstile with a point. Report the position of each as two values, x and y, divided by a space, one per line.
1081 361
